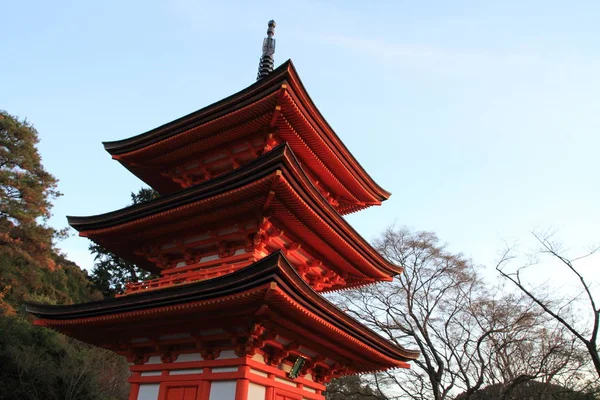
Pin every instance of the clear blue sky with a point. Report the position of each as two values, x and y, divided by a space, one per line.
480 117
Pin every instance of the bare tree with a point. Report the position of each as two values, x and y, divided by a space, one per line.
584 328
535 348
466 333
430 305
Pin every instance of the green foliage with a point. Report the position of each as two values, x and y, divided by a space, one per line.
143 195
26 192
23 279
26 188
111 272
29 265
37 363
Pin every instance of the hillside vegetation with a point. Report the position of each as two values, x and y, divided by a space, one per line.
37 363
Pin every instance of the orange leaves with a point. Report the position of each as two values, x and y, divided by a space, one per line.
6 308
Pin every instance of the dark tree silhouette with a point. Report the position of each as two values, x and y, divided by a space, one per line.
470 334
556 308
111 273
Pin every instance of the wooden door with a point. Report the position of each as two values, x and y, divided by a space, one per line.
182 393
283 395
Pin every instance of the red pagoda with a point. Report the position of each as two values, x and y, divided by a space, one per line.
246 233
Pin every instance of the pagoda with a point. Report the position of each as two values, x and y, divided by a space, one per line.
246 233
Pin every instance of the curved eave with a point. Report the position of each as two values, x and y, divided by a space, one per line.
284 75
273 272
205 114
280 159
343 153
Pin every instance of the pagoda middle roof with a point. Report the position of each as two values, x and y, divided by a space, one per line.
270 282
278 102
275 178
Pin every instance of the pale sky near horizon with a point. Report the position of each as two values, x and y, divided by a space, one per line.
480 117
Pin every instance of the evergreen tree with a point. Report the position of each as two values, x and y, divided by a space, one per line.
38 363
352 387
26 188
26 192
111 272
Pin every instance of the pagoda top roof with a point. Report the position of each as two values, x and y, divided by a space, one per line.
280 98
271 281
244 191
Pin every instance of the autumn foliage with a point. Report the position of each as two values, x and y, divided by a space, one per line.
37 363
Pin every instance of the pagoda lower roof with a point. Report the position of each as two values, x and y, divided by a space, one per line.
269 290
278 103
273 186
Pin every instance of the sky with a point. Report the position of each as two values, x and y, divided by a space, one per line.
480 117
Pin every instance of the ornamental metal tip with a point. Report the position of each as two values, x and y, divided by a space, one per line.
265 66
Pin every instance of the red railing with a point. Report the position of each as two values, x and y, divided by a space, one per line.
186 277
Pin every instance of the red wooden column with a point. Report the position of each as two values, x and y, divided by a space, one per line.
241 390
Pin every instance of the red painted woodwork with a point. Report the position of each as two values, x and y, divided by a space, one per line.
134 391
248 229
180 389
241 390
243 377
182 393
281 395
287 310
230 230
278 109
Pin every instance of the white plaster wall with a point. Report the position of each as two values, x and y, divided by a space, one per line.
285 367
221 390
149 391
259 357
189 357
285 381
224 369
260 373
226 354
151 373
256 391
175 336
186 371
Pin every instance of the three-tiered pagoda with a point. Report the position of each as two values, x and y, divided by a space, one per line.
246 233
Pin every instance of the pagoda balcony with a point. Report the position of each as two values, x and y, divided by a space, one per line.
224 267
265 206
263 315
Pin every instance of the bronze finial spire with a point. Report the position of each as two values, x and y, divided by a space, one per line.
267 60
